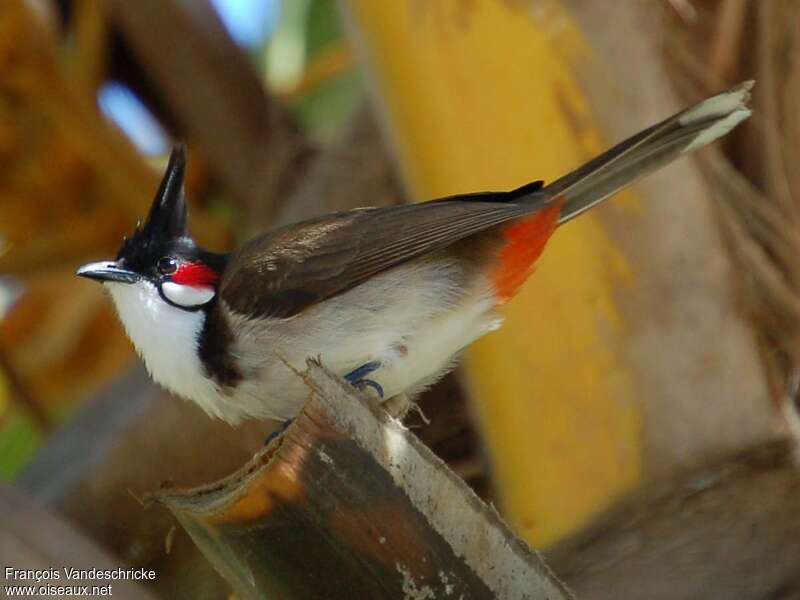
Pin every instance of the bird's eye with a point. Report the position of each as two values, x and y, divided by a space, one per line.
167 266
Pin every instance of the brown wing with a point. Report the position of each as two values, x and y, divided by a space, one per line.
282 272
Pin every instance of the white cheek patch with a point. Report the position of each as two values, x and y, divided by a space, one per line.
186 295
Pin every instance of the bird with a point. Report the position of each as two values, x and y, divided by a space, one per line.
387 298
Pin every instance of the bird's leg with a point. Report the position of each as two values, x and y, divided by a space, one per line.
397 406
357 377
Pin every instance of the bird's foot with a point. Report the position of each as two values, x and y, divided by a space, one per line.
358 377
276 432
398 406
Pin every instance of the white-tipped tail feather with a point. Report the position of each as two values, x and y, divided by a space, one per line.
728 103
730 107
650 150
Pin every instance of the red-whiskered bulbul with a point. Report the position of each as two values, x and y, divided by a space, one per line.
387 297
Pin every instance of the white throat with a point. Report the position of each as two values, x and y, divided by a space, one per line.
167 339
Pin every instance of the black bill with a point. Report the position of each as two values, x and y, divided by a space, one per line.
107 270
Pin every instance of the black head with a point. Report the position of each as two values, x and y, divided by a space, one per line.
161 251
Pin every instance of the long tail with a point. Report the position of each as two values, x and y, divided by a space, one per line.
649 150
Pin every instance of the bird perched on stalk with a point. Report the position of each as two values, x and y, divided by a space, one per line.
386 297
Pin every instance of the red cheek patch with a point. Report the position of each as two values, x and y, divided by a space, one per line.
195 274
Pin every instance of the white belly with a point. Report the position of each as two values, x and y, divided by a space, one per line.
432 351
414 321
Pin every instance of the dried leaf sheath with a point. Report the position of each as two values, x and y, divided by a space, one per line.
348 504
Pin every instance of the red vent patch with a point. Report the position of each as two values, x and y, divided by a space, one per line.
525 241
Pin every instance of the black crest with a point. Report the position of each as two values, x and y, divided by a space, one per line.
165 226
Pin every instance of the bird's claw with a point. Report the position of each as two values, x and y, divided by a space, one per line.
365 383
357 377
